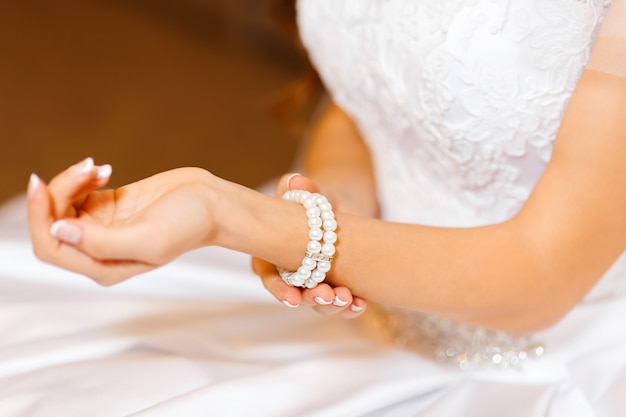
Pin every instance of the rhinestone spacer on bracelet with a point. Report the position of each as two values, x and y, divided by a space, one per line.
321 247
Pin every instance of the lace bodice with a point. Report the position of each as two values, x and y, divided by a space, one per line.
458 100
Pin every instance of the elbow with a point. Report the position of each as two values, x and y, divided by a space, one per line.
529 311
525 320
526 304
537 295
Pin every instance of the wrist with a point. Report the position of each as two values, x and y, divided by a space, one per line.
349 195
321 246
265 227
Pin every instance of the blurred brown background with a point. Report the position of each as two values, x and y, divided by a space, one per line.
143 85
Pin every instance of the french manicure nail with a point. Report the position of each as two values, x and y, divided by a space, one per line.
321 301
82 167
339 302
66 232
33 185
289 178
288 304
104 171
356 308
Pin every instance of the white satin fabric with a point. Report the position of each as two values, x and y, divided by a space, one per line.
201 337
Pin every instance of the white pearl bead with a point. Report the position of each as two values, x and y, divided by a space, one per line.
330 225
323 266
318 276
313 212
330 237
295 196
287 276
325 207
314 246
308 203
309 264
328 249
315 234
327 215
303 273
320 199
315 222
309 283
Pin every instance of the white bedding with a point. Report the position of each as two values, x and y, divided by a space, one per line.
200 337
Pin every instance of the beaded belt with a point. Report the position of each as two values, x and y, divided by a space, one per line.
462 345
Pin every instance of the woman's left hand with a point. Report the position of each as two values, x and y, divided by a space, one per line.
324 298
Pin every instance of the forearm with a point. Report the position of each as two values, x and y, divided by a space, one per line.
488 276
435 270
336 157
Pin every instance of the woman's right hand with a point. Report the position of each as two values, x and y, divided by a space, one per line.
324 298
112 235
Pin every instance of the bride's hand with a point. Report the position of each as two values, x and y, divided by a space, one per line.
112 235
323 298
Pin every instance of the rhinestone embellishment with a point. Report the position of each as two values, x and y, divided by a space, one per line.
461 345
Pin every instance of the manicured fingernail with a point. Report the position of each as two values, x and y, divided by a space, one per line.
339 302
66 232
104 171
321 301
82 167
33 185
289 178
356 308
288 304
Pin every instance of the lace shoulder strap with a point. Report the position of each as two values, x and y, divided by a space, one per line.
609 52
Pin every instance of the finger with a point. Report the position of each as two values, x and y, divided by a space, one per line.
343 297
321 295
69 188
51 250
290 296
355 309
40 218
134 242
341 301
295 181
341 307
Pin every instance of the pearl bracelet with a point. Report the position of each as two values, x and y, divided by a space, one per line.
321 247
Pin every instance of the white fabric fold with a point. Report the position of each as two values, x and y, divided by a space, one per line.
201 337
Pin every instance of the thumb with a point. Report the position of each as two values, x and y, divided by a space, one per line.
106 242
40 217
295 181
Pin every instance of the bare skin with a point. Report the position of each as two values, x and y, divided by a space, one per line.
522 275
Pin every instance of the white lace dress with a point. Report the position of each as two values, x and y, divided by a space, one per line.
459 101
